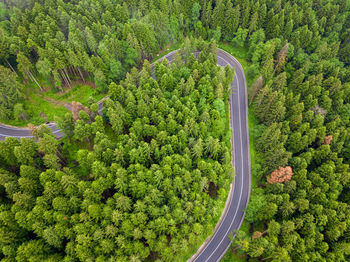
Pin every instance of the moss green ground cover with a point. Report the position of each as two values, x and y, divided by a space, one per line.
79 93
44 106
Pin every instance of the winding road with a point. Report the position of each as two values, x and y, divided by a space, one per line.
218 243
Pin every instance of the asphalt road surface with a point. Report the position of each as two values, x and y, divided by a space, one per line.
219 242
9 131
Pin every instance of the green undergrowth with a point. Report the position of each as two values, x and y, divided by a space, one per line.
231 255
166 51
70 149
79 93
241 54
13 122
44 106
252 123
38 110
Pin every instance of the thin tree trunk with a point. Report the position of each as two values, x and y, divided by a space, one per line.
65 70
70 70
13 70
267 58
63 75
236 248
75 71
82 77
33 78
60 156
266 258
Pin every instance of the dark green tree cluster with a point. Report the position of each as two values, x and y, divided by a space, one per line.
299 52
59 41
302 103
10 93
149 190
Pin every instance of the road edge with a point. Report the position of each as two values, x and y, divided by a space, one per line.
228 200
248 142
230 194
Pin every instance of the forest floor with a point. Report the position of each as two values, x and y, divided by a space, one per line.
169 48
79 93
43 106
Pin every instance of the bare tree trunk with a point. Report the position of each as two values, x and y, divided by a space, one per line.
13 70
70 70
257 85
60 156
65 70
267 58
64 77
33 78
82 77
75 71
266 258
237 247
281 57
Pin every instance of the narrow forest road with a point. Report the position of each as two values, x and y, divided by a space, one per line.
215 248
219 242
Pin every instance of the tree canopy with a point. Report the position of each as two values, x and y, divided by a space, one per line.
147 189
144 180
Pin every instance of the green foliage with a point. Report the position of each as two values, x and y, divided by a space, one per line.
240 37
161 173
11 93
299 109
163 147
18 112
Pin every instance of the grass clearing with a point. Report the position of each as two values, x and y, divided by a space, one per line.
36 106
38 110
79 93
44 106
241 54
